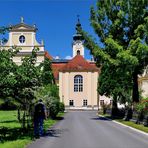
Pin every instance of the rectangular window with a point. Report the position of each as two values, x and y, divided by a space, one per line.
84 102
75 88
71 103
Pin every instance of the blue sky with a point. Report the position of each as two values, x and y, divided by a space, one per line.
55 20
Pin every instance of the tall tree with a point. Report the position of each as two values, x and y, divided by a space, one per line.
28 79
122 29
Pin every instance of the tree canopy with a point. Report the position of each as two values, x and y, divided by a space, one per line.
122 45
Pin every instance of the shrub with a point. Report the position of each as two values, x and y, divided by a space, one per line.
53 107
142 106
61 107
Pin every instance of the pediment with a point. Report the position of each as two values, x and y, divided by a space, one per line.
23 27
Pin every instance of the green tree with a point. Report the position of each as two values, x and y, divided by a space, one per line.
7 70
47 75
122 50
28 78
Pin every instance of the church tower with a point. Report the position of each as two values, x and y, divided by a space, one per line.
77 45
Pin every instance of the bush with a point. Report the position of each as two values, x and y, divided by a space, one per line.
54 108
142 106
61 107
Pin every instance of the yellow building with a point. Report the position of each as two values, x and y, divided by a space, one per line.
24 36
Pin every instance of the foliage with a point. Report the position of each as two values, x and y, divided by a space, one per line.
61 107
47 75
53 107
7 70
28 79
142 106
122 50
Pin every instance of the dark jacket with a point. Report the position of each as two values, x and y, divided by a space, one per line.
40 111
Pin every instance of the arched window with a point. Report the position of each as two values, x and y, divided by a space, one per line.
78 52
78 83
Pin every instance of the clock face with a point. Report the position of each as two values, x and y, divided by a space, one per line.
78 45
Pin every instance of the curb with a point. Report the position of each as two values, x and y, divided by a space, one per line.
137 130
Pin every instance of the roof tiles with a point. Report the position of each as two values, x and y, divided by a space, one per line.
78 63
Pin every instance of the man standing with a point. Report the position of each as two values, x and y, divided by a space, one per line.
39 116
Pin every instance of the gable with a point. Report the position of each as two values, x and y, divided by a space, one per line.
22 27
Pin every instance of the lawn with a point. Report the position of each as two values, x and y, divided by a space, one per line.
14 137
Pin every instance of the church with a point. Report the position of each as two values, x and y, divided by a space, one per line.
76 78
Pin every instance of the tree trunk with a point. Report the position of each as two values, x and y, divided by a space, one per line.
114 107
135 95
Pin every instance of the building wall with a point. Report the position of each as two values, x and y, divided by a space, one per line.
145 88
66 89
143 82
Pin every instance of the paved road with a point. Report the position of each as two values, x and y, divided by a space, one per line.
86 130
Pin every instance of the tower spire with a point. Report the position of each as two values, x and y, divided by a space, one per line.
78 25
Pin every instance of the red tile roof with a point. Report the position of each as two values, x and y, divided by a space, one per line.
78 63
55 68
47 55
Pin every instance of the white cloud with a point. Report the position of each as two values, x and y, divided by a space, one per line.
68 57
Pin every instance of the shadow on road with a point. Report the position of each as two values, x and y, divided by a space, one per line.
53 133
101 118
59 118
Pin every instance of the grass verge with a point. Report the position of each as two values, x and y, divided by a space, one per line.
134 125
140 127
